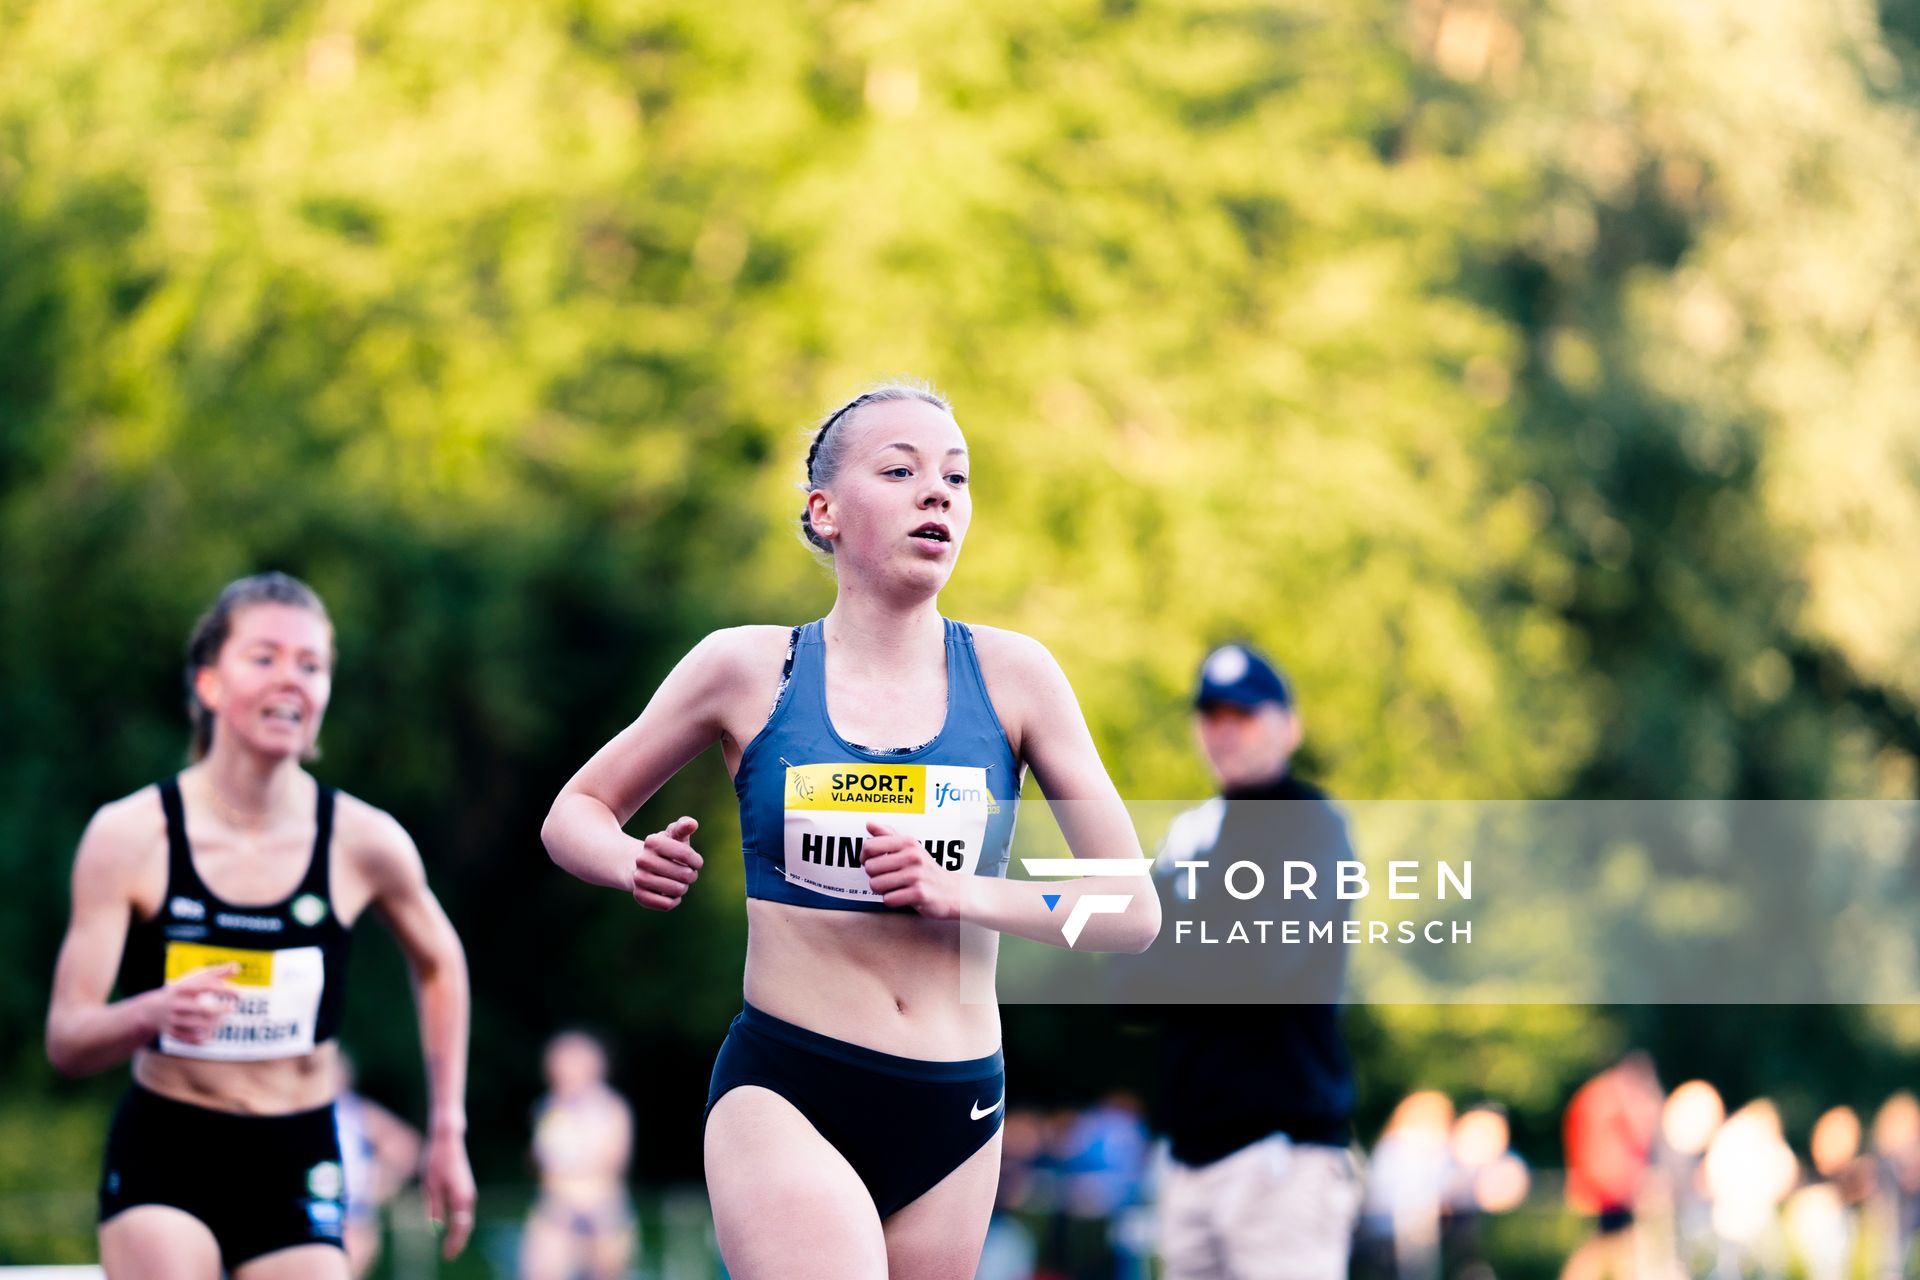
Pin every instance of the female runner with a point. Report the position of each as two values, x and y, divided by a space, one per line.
852 1127
583 1222
221 900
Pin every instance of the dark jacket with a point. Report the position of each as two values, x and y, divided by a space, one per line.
1232 1074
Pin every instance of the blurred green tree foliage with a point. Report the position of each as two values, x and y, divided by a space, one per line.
1536 380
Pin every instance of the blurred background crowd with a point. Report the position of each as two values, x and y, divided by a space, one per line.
1645 1183
1641 1183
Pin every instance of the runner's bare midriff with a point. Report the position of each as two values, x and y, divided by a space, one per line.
278 1086
886 982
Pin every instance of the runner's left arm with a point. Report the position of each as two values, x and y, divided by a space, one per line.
1057 745
439 968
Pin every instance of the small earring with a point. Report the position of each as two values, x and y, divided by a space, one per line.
825 530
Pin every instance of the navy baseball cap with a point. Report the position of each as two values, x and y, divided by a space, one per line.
1242 677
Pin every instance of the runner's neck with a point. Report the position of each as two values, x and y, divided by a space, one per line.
251 793
880 638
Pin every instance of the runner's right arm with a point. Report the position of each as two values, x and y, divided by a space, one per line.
86 1033
583 829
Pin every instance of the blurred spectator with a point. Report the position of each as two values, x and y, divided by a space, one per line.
1849 1179
1836 1141
583 1222
1818 1233
1692 1115
1838 1157
1010 1252
1091 1165
1485 1177
1100 1159
1610 1127
1749 1172
1256 1101
1406 1187
379 1154
1892 1211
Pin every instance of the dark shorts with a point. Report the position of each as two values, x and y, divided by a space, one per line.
260 1183
902 1123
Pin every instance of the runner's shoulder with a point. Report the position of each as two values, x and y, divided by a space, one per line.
1016 660
127 832
370 837
1024 681
1015 651
737 650
737 659
122 854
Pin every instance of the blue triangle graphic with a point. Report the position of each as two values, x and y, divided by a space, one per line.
1051 899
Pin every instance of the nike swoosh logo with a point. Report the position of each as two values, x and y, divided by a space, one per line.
979 1114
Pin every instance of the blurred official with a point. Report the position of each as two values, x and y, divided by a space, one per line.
1255 1098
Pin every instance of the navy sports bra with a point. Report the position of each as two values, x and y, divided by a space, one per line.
807 794
292 954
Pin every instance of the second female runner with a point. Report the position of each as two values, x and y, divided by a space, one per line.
220 903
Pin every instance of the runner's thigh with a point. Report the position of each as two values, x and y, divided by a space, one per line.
939 1235
297 1262
158 1242
786 1204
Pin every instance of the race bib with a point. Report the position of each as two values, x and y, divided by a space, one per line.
828 806
278 1008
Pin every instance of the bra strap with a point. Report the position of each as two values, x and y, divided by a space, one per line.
319 878
181 877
